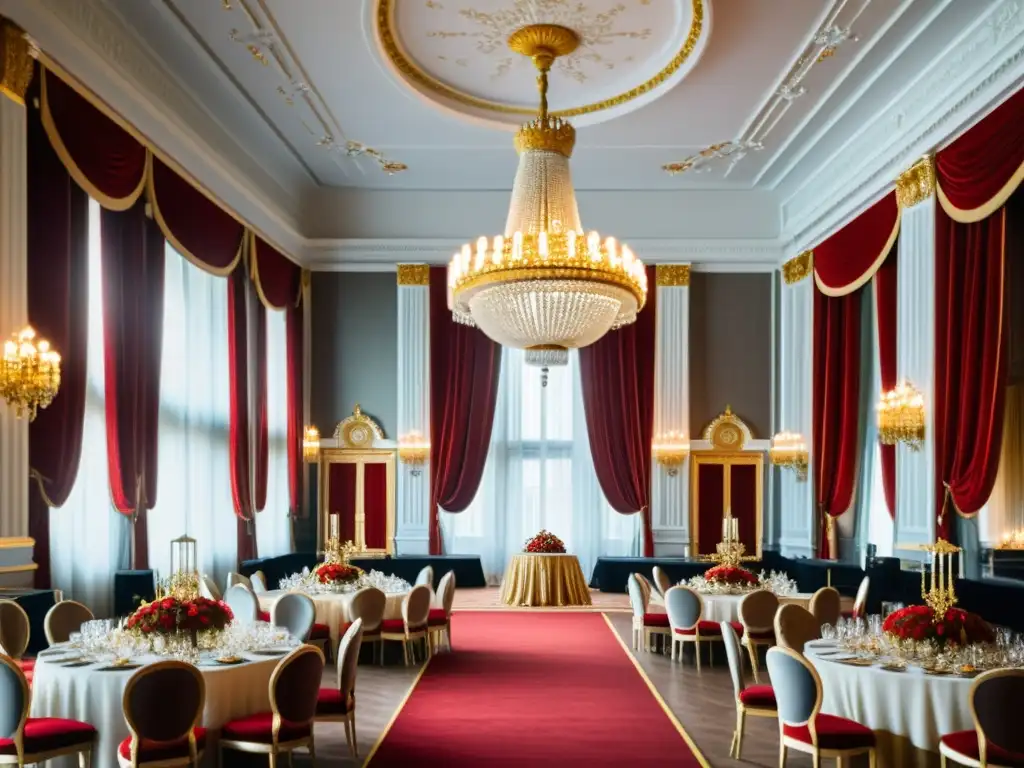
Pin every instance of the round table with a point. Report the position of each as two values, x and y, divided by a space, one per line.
94 694
720 607
538 579
908 709
332 608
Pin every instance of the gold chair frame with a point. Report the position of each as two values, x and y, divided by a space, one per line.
696 639
16 653
752 643
640 630
406 637
349 718
947 753
195 754
742 710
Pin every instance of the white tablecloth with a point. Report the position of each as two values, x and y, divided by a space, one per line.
94 696
332 608
727 607
912 705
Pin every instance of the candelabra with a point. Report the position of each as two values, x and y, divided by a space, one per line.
729 551
29 373
901 416
789 451
414 451
940 594
310 444
183 583
670 450
334 550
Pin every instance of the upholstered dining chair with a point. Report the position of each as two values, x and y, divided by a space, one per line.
339 703
826 605
685 610
425 576
860 602
997 740
243 603
368 605
288 725
757 615
15 633
259 582
208 588
646 586
801 725
413 624
237 578
63 618
163 704
646 626
295 612
25 740
795 626
662 582
754 700
439 620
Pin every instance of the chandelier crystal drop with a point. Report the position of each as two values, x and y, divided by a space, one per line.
545 285
29 373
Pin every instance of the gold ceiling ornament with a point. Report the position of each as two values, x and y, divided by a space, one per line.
672 275
917 183
358 430
797 268
545 285
410 69
727 431
414 274
29 373
17 62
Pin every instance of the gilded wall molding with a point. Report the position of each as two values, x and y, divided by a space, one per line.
414 274
917 183
672 275
17 62
797 268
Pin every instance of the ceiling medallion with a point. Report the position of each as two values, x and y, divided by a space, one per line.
465 46
545 286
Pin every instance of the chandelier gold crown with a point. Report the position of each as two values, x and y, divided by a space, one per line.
545 285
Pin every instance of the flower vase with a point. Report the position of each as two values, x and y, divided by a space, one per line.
193 635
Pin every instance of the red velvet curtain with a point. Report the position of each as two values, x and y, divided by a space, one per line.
885 311
295 320
261 429
848 259
464 370
970 362
240 423
58 308
836 403
617 373
132 251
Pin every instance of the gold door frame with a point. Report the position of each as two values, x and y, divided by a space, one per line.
728 459
360 458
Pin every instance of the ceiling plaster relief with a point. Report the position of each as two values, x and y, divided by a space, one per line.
269 47
829 37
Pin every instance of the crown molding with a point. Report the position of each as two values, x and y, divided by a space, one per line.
383 254
969 78
89 40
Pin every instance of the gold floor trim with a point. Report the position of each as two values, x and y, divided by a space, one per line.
657 696
394 717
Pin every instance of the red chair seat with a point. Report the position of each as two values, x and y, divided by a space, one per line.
27 665
263 616
758 697
397 625
151 751
43 734
833 733
765 634
330 702
655 619
258 728
437 617
966 743
320 632
707 628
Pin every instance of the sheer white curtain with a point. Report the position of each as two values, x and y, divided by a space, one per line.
89 539
273 528
194 488
539 474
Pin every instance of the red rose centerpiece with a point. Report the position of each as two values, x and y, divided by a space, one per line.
955 627
170 615
730 575
545 542
338 573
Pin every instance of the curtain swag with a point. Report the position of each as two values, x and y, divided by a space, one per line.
849 258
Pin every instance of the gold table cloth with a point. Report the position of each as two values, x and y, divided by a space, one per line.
538 579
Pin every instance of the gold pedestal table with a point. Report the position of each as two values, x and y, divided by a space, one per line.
541 579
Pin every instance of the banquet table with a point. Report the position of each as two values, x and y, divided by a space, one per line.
93 693
544 579
332 608
719 607
908 710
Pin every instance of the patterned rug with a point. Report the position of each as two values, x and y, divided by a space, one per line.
488 599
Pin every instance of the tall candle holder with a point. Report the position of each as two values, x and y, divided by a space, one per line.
334 550
939 594
183 583
729 551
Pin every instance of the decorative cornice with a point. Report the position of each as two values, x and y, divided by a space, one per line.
17 62
917 183
414 274
797 268
672 275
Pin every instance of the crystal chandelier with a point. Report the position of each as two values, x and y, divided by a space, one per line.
29 373
545 286
901 416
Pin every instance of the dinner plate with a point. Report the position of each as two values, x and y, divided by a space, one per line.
857 662
230 660
935 671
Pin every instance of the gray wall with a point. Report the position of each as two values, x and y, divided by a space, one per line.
355 348
730 348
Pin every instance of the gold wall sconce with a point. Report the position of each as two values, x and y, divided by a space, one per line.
789 451
29 373
310 445
670 450
901 416
413 451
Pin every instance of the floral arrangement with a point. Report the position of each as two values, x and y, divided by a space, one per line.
956 627
169 615
337 573
730 574
545 542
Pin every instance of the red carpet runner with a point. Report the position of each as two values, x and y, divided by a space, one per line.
532 689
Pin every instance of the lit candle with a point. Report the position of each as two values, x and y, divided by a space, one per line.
735 529
725 529
334 527
939 558
949 575
923 569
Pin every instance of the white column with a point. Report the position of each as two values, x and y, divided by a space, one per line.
17 66
670 493
797 520
915 356
412 532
